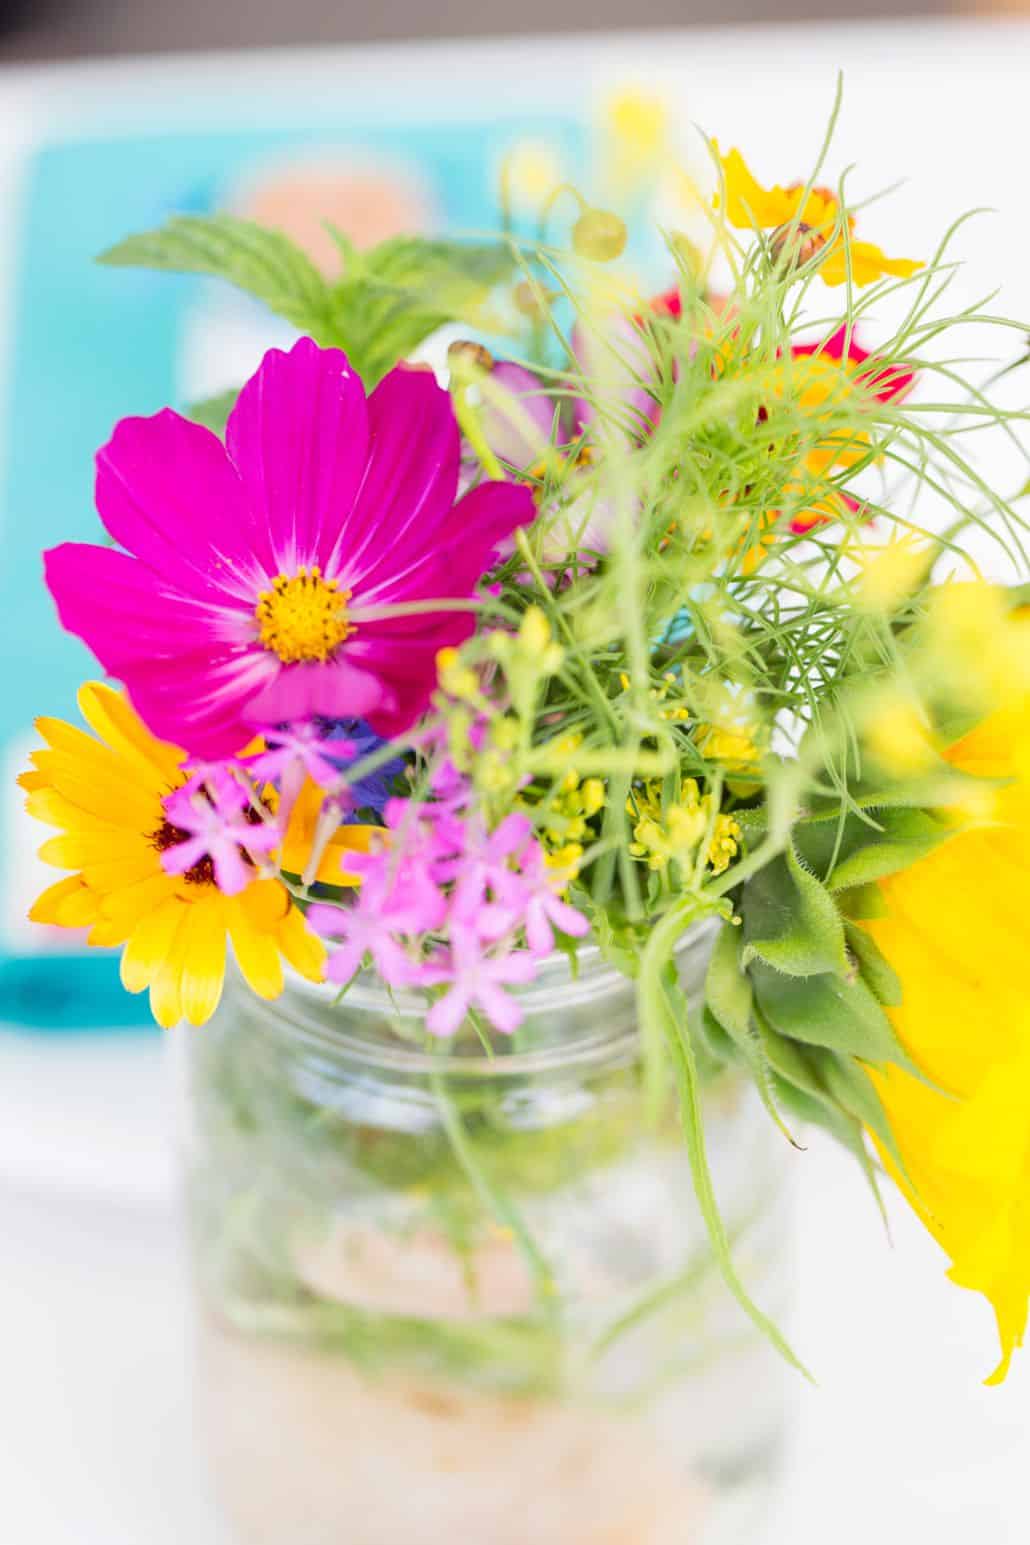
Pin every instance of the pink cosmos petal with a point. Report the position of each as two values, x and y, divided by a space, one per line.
409 481
168 493
122 609
298 437
200 700
338 689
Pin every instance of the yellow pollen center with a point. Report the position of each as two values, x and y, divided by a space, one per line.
303 617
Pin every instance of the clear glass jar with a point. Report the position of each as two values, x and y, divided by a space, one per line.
453 1295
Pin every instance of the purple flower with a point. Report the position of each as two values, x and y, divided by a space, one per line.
477 979
297 752
363 931
217 825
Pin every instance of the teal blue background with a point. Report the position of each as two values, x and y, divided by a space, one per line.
89 345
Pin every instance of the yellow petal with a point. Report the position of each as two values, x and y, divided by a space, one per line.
151 943
256 951
266 903
114 874
103 787
47 907
302 948
109 713
76 850
748 204
868 264
203 959
107 935
957 932
134 902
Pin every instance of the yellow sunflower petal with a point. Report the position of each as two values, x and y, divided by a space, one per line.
77 850
957 931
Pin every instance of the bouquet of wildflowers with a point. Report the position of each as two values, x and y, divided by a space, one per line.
643 610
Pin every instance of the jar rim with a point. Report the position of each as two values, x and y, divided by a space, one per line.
324 1016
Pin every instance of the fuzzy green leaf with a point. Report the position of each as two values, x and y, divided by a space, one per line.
860 850
826 1010
265 263
790 922
874 965
862 902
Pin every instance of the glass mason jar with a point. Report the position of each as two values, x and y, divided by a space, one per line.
452 1293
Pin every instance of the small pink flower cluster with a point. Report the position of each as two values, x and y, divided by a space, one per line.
445 902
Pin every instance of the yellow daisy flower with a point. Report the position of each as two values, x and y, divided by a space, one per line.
956 929
813 214
103 792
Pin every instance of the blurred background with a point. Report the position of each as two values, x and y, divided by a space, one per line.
96 1445
64 28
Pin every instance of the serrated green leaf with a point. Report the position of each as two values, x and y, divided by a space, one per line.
874 965
830 1011
405 289
213 412
264 263
791 922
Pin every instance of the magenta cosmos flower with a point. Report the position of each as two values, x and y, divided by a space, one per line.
255 575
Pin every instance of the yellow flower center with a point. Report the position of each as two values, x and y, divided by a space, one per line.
303 617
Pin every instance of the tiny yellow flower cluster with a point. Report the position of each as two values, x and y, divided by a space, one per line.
731 744
674 713
572 805
685 825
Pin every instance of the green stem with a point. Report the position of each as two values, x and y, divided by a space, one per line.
664 1022
496 1202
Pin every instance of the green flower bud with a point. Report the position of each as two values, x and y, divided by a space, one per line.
599 234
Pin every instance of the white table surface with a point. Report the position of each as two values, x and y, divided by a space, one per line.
900 1443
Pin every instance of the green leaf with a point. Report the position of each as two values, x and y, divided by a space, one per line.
265 263
827 1010
841 1126
387 301
862 902
860 850
791 922
874 965
213 412
393 297
851 1088
728 1006
727 989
